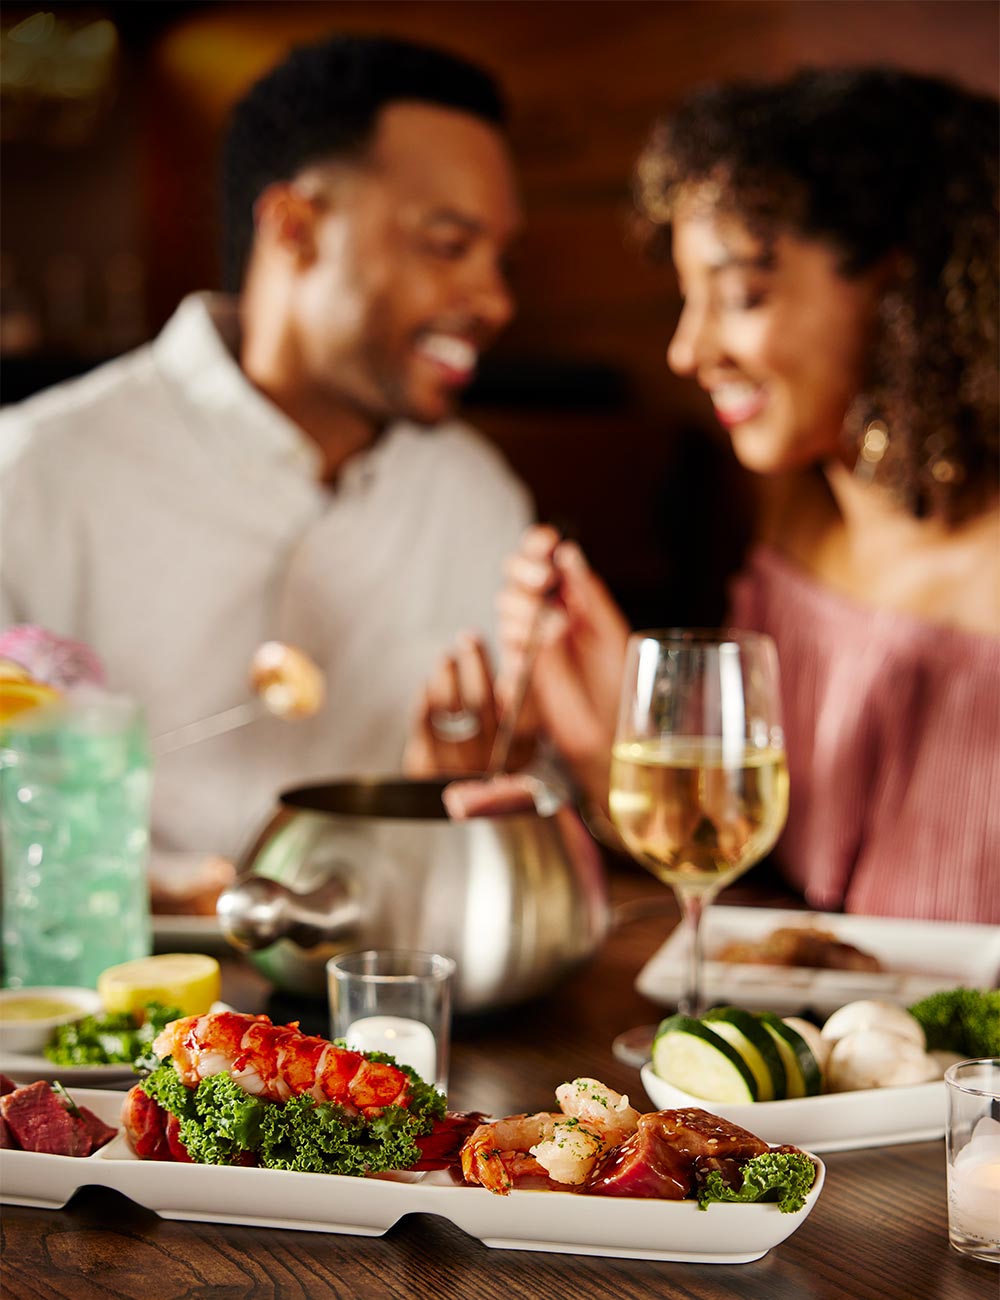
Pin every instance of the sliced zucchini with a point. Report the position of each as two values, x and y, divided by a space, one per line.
692 1057
755 1045
802 1071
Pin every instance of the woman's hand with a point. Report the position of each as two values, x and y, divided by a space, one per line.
576 678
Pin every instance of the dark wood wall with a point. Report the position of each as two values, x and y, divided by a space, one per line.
578 394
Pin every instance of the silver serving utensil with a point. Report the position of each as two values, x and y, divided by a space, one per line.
500 753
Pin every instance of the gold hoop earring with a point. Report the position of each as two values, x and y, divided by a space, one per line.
874 445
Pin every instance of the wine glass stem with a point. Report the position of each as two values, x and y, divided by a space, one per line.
692 903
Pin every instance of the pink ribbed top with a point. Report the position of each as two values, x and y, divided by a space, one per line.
893 733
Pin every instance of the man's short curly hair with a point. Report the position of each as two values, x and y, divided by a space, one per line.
321 104
873 162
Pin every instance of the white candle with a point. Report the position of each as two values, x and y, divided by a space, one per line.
974 1189
411 1042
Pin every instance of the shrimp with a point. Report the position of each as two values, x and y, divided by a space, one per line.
564 1145
279 1061
598 1107
494 1153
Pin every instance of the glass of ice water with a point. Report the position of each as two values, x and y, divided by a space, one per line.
75 782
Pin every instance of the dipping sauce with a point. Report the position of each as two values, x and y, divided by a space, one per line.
32 1008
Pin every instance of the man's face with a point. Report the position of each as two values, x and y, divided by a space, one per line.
407 285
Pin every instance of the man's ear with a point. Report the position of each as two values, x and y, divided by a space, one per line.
285 219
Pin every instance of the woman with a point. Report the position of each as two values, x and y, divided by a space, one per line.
835 239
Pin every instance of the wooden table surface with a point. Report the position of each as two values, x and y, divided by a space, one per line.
877 1233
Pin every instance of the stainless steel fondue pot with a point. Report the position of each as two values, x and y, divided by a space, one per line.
517 900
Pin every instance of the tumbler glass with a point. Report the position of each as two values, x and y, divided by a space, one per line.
75 784
973 1150
394 1001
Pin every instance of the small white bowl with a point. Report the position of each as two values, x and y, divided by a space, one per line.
30 1034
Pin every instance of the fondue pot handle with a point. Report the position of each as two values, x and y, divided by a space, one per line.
255 912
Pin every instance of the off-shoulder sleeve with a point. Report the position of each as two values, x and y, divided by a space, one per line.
893 733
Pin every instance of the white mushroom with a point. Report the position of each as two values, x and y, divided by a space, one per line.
886 1017
814 1040
872 1058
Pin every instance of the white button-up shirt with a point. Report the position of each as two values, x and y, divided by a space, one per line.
165 512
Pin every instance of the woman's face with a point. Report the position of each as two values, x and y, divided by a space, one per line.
774 334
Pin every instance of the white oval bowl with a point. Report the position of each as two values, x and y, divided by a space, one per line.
32 1035
835 1121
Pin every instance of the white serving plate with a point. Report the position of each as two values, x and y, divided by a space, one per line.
564 1222
918 958
836 1121
25 1068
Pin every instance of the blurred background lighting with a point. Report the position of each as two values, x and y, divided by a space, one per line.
57 78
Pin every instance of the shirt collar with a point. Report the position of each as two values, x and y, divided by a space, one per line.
197 351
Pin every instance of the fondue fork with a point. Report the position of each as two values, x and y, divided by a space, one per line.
500 753
286 682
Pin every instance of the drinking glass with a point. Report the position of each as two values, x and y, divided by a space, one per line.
74 827
699 780
396 1001
973 1153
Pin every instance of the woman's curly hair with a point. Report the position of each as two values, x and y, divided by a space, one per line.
874 162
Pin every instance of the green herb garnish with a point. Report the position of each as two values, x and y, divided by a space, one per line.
961 1020
222 1124
785 1177
124 1038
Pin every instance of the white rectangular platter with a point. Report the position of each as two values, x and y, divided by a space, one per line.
564 1222
917 957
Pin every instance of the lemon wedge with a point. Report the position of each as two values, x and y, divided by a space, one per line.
11 671
188 980
17 696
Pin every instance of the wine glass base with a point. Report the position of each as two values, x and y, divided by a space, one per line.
635 1046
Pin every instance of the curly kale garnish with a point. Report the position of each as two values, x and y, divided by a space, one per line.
124 1038
785 1177
426 1103
219 1123
961 1020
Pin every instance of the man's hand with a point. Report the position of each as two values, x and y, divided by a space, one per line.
455 723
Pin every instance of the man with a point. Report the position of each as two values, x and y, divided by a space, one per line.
280 465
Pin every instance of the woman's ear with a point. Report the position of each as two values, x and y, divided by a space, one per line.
285 221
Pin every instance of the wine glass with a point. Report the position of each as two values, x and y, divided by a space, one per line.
699 781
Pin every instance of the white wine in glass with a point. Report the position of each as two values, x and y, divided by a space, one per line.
699 780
